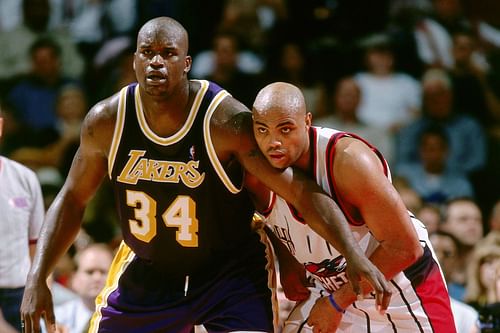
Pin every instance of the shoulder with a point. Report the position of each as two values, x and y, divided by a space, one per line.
231 117
99 123
18 169
231 128
354 157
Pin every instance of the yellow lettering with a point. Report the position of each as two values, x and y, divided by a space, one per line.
127 176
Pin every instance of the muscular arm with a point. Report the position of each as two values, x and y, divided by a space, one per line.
233 138
63 219
364 187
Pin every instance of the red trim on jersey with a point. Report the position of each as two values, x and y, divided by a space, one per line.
313 140
295 213
330 156
436 302
33 241
268 210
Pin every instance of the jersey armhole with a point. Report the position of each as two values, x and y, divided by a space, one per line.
117 134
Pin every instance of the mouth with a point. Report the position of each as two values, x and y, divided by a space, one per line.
276 156
156 78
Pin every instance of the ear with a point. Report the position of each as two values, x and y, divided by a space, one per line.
1 126
188 62
308 119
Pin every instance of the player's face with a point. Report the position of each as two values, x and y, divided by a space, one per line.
283 137
161 60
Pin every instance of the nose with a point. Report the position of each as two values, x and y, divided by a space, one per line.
274 143
157 61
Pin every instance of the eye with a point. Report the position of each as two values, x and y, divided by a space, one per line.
286 130
147 52
261 130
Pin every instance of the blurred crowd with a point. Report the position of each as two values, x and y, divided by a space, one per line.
419 79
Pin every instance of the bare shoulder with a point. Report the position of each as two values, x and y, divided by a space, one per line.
353 156
99 124
354 152
231 126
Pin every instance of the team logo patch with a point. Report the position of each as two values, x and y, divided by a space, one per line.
19 202
330 272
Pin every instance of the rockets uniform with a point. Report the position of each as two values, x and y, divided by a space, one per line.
420 302
189 255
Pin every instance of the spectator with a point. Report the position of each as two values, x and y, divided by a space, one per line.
467 144
431 177
292 64
472 92
21 205
92 265
14 130
390 99
226 73
430 215
71 107
35 95
446 249
449 14
483 282
346 99
494 222
15 59
462 219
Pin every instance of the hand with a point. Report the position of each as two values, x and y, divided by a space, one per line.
294 281
37 304
323 317
360 266
62 329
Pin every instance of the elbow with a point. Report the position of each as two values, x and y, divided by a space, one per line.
413 254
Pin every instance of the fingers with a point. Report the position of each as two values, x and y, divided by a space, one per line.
50 321
356 288
383 293
383 298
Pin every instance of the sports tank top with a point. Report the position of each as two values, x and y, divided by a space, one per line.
178 208
321 259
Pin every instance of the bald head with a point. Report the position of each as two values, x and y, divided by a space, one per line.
281 125
164 25
280 96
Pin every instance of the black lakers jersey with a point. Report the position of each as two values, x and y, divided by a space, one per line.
178 207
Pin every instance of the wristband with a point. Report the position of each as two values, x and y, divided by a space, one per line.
335 305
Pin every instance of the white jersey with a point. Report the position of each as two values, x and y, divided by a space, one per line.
22 213
420 301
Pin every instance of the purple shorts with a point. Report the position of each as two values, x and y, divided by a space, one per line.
237 299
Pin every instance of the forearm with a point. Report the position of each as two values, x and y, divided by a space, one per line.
401 258
60 228
328 221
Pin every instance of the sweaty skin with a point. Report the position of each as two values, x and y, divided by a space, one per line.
161 64
281 128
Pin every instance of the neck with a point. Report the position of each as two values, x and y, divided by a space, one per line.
166 115
304 161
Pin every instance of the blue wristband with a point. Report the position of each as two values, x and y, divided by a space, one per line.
335 305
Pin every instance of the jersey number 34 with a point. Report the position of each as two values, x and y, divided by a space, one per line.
181 214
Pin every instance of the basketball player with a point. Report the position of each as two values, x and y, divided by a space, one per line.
356 175
174 149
